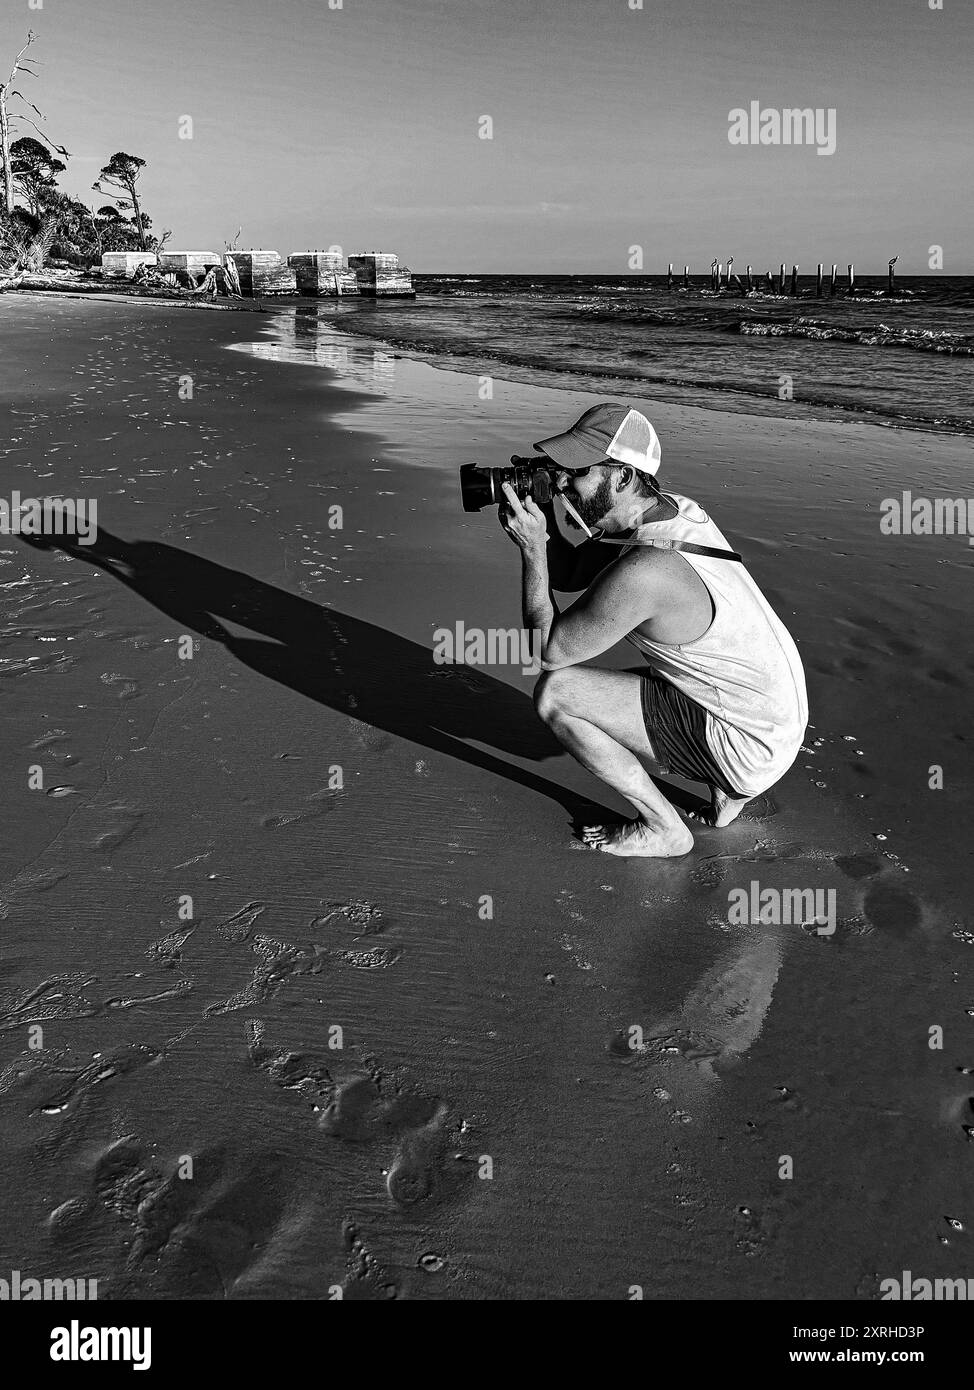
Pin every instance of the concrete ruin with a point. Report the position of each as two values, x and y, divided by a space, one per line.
323 273
122 265
263 272
195 263
380 275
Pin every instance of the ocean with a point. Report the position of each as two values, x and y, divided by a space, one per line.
905 360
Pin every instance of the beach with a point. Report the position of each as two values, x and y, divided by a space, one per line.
330 996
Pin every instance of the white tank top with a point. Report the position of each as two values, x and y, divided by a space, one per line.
745 670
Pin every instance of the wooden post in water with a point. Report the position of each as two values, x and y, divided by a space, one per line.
720 272
832 281
669 276
781 278
852 278
818 281
750 279
891 264
686 277
794 279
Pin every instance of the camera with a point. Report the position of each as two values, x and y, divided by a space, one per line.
529 477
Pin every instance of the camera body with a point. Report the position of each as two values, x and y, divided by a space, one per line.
529 477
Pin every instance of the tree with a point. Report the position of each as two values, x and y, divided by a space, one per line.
7 92
122 174
35 171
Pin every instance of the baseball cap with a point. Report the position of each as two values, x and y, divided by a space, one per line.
607 430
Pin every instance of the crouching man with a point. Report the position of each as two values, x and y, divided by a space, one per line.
722 700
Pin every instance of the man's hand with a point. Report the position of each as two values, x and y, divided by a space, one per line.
524 523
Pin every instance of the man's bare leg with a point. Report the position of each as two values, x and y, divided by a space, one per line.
597 716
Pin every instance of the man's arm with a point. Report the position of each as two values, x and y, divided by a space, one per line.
526 524
620 598
572 568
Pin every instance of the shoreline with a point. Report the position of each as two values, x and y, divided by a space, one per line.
362 906
718 397
724 398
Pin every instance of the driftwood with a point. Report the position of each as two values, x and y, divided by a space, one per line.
217 280
232 276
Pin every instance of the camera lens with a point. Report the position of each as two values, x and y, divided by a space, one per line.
476 487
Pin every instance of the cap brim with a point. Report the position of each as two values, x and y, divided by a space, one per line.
570 452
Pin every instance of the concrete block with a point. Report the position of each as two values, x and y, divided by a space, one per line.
263 272
122 265
322 273
192 262
381 276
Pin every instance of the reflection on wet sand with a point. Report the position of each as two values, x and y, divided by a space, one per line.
724 1013
306 339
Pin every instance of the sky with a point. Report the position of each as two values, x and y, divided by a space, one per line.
360 126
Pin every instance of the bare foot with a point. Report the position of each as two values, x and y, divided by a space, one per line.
639 840
723 809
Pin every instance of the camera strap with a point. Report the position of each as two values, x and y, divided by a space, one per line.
711 550
661 544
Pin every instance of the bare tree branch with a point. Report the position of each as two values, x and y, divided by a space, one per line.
31 36
15 93
51 143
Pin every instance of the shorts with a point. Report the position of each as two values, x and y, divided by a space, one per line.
677 729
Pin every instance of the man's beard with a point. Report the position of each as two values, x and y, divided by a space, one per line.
592 509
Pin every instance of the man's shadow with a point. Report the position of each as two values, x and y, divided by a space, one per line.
350 665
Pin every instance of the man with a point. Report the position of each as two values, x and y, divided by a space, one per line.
723 699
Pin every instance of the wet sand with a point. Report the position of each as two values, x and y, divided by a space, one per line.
184 1125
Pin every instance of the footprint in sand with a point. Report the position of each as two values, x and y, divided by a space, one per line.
372 739
892 910
291 1071
959 1109
365 1108
763 807
710 872
280 961
858 866
277 963
363 1111
49 744
461 674
124 822
197 1239
366 1277
364 916
378 958
325 801
237 927
105 1068
168 950
41 880
128 689
58 997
